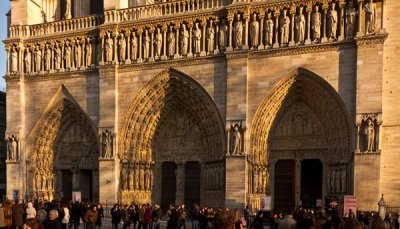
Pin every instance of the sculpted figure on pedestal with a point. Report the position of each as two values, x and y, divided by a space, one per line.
134 46
27 60
332 22
236 141
68 9
57 57
269 30
38 59
350 20
369 133
12 148
254 29
14 60
109 48
78 55
122 47
343 180
223 35
171 42
48 58
197 38
238 31
370 16
67 56
255 180
107 144
184 40
159 40
316 23
88 49
137 179
210 37
284 27
146 44
300 24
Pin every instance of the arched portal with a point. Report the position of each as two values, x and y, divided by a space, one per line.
64 152
302 118
172 119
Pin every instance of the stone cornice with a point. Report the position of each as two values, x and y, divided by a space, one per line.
53 76
371 40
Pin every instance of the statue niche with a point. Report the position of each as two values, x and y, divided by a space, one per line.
368 134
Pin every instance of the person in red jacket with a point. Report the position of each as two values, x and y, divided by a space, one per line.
147 216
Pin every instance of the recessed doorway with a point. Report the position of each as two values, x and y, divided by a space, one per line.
311 182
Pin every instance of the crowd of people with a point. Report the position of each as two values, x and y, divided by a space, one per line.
58 215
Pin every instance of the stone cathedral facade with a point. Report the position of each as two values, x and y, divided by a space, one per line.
215 102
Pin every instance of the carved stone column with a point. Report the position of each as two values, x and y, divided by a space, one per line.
341 20
140 34
102 40
190 54
128 46
292 15
216 43
8 61
180 183
382 30
164 29
323 30
151 57
229 48
276 15
203 29
246 32
308 10
359 33
176 56
261 30
115 48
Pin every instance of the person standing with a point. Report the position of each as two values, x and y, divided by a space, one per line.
156 215
91 217
18 215
66 218
100 215
30 211
2 216
115 216
53 222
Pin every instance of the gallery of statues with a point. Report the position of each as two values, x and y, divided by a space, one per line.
215 102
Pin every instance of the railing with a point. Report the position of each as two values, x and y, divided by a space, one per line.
162 9
56 27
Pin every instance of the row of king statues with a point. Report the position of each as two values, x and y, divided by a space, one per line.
274 28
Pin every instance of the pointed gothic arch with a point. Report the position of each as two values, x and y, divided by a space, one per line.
163 95
323 103
64 139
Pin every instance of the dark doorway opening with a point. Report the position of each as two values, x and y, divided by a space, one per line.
192 183
168 185
96 7
66 184
311 182
284 185
86 185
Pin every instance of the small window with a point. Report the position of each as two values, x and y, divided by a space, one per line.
96 6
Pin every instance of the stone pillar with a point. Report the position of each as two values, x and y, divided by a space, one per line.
292 14
276 15
382 30
8 61
128 46
115 49
308 10
180 183
359 33
246 32
190 54
323 30
176 56
341 20
102 40
216 43
229 48
108 182
203 48
140 33
151 57
164 29
235 185
261 31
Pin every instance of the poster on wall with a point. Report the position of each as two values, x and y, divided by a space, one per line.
350 205
76 196
265 203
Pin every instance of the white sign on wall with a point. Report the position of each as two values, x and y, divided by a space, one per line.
265 203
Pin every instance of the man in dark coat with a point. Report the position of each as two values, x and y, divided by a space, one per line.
52 222
115 216
18 215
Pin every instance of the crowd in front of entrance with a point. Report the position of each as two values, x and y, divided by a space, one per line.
56 215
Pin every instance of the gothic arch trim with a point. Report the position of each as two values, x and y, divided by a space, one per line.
320 96
161 94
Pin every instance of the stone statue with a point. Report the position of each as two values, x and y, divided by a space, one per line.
27 60
159 42
14 60
107 144
337 180
254 29
78 55
284 27
316 24
197 38
130 179
44 181
236 141
332 22
68 9
38 59
48 58
125 176
210 37
134 46
136 179
223 35
36 181
343 180
350 20
88 49
369 132
147 180
122 48
300 24
109 48
146 44
238 28
50 181
269 30
12 148
171 42
331 180
57 58
370 17
184 40
255 180
67 56
141 176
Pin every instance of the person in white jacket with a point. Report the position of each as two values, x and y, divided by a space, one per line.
30 211
65 220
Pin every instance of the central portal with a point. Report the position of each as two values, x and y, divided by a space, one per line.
311 182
